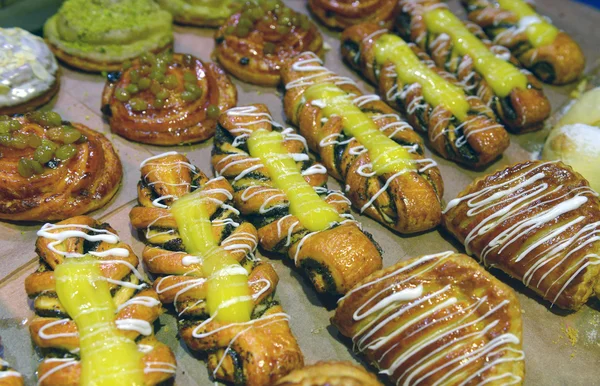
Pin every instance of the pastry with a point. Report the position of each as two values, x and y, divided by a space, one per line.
284 194
345 13
436 319
100 35
537 221
93 310
254 42
201 253
29 75
8 376
459 127
167 99
552 55
485 70
330 373
366 146
53 169
200 13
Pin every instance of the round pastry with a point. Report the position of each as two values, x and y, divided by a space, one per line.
29 75
201 13
52 169
100 35
341 14
330 373
168 99
255 42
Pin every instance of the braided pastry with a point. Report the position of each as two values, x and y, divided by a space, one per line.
342 14
459 127
552 55
330 373
8 376
436 319
488 71
406 199
56 331
317 232
256 352
537 221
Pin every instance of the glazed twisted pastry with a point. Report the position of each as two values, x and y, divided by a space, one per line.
345 13
552 55
483 69
53 329
329 373
8 376
537 221
334 256
436 319
407 200
459 127
253 353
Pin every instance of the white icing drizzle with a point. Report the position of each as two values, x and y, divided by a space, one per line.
65 362
102 235
160 367
146 301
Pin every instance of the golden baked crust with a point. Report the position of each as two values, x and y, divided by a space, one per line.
436 319
36 102
340 14
8 375
538 222
329 373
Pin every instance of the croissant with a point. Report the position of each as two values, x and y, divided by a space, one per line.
460 128
55 331
537 221
253 353
407 199
8 376
169 99
436 319
330 373
345 13
483 69
53 169
552 55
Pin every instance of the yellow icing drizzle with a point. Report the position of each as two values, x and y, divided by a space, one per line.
228 296
410 69
539 32
386 155
108 358
502 76
305 204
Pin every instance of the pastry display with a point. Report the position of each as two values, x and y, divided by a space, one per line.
255 42
202 254
436 319
342 14
537 221
100 35
284 194
485 70
551 54
167 99
8 376
53 169
29 75
366 146
93 310
330 373
200 13
460 127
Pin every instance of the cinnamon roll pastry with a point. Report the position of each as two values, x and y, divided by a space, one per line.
93 310
537 221
200 13
486 70
8 376
343 14
284 194
201 253
365 145
436 319
329 373
254 42
167 99
53 169
460 127
551 54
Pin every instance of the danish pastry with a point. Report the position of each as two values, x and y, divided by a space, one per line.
200 13
345 13
329 373
8 376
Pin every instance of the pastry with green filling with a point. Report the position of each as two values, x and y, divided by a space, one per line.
201 13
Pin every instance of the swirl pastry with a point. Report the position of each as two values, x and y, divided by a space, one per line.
436 319
483 69
459 127
53 169
167 99
100 35
8 376
365 145
200 13
29 75
537 221
84 266
190 226
329 373
283 192
345 13
255 42
552 55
